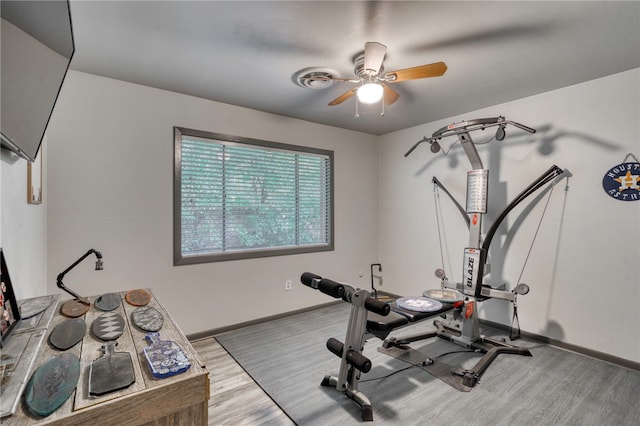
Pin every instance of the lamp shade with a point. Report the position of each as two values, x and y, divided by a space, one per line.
369 93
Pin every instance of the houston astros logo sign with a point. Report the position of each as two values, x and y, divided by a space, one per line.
622 182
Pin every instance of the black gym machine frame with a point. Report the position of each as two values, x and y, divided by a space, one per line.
372 317
352 360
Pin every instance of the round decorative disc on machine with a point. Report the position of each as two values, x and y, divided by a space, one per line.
108 326
138 297
74 308
147 318
69 332
419 304
444 295
108 302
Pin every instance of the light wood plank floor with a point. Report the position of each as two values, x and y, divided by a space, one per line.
235 398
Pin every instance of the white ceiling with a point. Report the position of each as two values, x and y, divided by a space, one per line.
246 53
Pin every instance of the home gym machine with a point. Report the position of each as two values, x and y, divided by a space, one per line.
371 317
465 330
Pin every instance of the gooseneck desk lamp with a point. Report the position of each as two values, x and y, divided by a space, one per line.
79 305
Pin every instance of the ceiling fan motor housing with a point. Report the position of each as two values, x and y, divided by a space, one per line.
359 70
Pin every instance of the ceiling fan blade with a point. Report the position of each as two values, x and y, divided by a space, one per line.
346 95
373 56
421 71
390 95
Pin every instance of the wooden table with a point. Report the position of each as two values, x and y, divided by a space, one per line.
181 399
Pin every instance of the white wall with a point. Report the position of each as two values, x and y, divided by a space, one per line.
584 269
110 187
23 228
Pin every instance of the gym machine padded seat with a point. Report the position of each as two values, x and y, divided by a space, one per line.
380 326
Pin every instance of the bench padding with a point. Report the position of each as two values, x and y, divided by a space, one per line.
380 326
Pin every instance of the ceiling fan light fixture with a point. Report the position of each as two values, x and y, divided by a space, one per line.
370 93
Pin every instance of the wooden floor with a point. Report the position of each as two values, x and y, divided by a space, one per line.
235 398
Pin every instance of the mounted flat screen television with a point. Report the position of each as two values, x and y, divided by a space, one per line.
36 48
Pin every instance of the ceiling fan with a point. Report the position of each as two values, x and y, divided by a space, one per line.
374 82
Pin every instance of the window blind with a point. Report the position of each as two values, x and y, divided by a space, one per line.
252 199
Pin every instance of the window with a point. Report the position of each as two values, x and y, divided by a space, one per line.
239 198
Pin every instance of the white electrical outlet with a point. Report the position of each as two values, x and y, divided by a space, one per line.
287 285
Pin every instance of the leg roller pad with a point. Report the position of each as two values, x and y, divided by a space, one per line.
354 358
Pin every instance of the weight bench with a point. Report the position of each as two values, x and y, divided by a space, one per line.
372 317
369 316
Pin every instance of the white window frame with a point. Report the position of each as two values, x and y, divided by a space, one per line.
186 259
